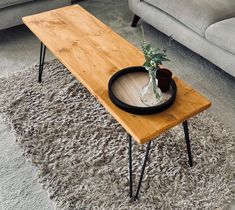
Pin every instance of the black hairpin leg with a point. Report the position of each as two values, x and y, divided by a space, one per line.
135 21
185 125
41 61
142 170
130 165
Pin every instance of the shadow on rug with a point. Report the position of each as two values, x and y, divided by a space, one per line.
81 151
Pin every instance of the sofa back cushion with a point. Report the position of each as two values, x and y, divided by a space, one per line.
222 34
197 14
7 3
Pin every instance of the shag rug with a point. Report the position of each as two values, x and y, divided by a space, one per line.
81 151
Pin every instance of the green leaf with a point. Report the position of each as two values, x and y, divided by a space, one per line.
153 56
146 64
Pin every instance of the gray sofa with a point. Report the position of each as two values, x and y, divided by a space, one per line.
205 26
12 11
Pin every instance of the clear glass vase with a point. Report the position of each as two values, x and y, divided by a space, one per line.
151 94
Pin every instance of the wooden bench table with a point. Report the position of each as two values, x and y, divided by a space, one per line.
92 52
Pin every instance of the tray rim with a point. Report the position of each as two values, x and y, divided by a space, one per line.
136 109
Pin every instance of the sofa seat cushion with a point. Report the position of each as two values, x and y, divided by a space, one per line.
198 15
222 34
7 3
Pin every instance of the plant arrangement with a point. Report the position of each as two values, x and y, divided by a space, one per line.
154 57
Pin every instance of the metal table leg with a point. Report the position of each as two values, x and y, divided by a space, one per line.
185 126
130 165
190 160
142 171
41 61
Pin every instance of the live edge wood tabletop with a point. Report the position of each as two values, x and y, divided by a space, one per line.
92 52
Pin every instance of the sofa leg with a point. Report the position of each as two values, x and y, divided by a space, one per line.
135 21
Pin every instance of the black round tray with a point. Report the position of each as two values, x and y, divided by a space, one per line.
135 109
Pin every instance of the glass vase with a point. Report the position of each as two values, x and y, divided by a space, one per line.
151 94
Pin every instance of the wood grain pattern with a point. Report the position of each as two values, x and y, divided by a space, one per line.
92 52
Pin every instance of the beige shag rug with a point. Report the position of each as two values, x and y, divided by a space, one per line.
81 151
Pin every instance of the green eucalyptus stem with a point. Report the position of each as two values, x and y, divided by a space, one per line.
152 75
153 56
142 32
